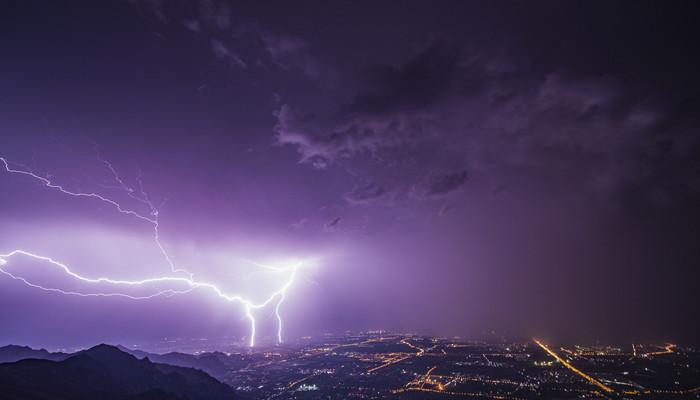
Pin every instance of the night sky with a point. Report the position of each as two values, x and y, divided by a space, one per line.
449 168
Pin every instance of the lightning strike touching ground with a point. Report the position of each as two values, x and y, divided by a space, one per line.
189 282
279 318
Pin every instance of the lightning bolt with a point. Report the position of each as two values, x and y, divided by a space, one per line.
188 281
279 317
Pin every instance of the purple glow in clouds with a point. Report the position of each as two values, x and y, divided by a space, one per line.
153 284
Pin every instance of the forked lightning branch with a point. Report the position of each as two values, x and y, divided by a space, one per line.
180 277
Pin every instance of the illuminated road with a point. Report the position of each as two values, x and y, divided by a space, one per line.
667 350
574 369
464 395
399 358
419 350
391 361
426 378
298 381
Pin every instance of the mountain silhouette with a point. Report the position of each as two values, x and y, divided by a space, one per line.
14 353
216 364
107 373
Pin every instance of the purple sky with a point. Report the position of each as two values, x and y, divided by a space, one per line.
444 167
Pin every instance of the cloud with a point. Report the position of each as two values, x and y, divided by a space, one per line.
320 143
481 104
397 108
492 112
439 184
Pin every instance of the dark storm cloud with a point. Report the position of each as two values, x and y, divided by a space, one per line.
494 112
421 83
396 112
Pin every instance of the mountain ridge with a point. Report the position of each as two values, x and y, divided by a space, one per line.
109 373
